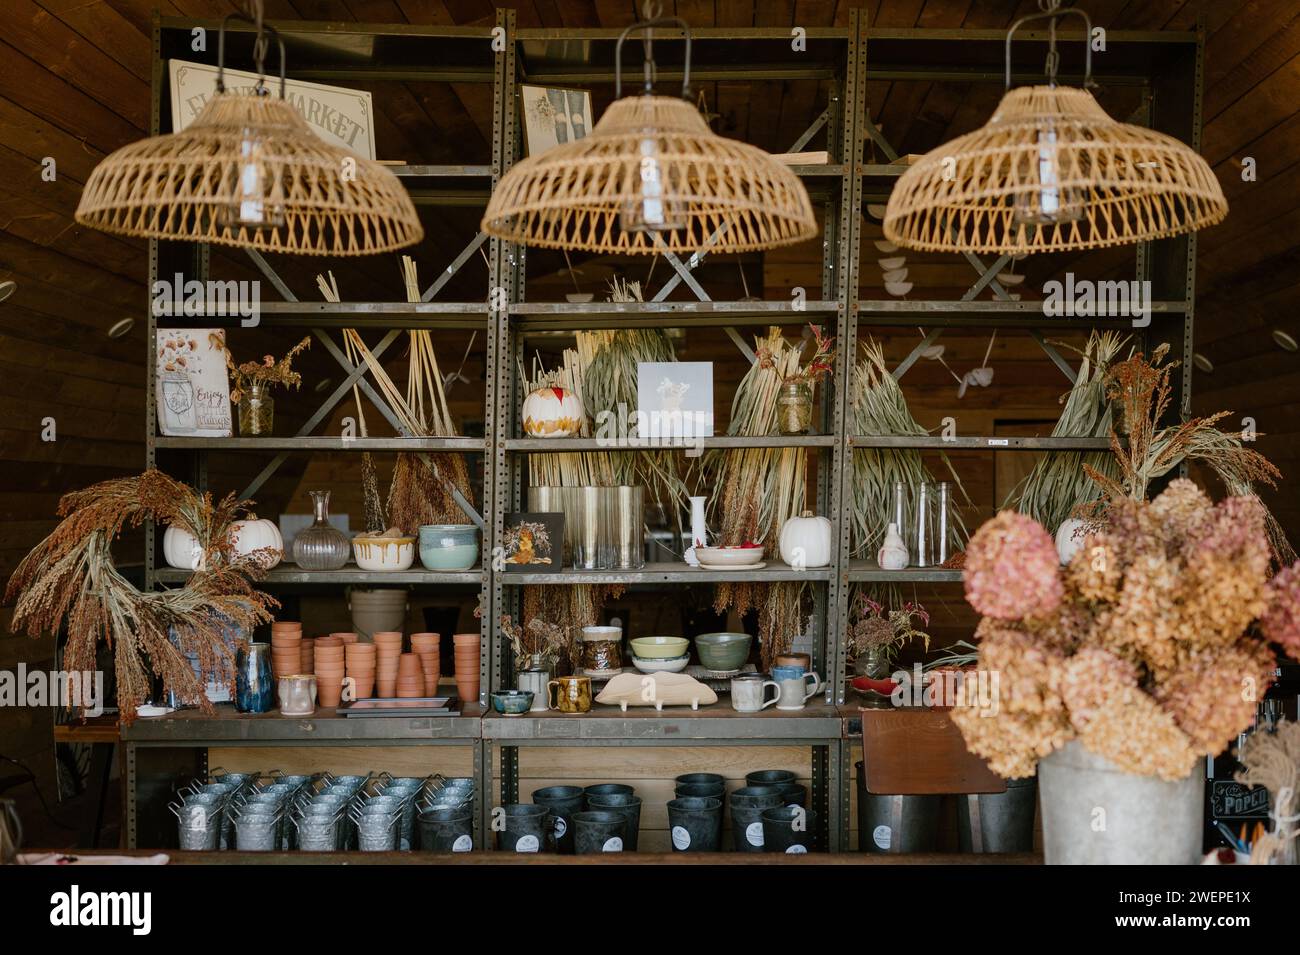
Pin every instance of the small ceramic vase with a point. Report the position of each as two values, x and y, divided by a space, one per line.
893 554
699 534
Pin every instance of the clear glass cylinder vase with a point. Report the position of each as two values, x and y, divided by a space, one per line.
321 546
794 408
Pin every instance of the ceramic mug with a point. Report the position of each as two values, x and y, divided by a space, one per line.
788 672
569 694
535 681
795 691
748 692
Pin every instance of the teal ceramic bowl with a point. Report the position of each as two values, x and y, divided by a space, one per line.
448 547
723 651
512 702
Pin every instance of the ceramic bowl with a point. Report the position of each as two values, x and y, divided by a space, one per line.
729 556
659 648
512 702
723 651
448 547
384 553
663 665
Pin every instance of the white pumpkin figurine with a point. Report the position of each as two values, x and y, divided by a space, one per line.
805 541
257 534
1069 539
893 553
552 412
182 550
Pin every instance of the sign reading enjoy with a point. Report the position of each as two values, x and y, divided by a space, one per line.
338 115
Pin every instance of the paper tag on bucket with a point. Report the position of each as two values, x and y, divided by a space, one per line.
561 827
796 850
612 844
880 836
754 834
526 844
681 839
462 844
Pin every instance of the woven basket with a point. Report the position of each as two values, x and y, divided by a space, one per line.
1133 183
572 196
181 186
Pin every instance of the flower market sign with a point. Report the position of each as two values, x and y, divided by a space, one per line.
338 115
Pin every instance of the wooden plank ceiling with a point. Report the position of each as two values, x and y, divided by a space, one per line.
75 86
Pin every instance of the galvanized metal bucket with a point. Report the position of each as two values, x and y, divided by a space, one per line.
1096 814
998 822
896 823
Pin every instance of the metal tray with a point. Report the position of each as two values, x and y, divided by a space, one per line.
414 706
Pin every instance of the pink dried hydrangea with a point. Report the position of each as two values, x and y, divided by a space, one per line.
1012 570
1281 622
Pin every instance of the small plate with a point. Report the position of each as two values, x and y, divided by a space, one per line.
759 565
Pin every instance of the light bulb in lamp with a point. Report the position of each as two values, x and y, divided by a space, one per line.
1049 202
651 211
259 195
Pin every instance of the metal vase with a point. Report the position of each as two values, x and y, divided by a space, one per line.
1096 814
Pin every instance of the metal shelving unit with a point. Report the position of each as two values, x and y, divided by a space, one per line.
1166 67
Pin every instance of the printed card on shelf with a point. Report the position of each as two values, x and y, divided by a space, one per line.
193 390
674 399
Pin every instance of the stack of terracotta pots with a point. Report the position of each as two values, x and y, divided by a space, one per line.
360 660
329 670
410 677
426 646
308 658
388 649
286 649
467 666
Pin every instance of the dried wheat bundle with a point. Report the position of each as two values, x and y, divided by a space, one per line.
1058 485
1272 760
69 579
573 196
761 488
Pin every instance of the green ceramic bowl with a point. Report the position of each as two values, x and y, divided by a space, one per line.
659 648
723 651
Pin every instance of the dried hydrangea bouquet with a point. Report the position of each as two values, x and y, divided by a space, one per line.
1144 654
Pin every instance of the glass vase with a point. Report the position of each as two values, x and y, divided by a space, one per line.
321 546
794 408
256 411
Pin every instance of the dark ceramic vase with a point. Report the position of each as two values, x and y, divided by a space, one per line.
254 689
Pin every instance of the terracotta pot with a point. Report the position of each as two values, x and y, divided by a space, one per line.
286 626
347 636
466 639
468 692
365 688
408 664
328 695
386 689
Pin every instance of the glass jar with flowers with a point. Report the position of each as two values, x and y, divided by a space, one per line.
251 385
795 401
874 638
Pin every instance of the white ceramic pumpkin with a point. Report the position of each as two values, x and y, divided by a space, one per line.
806 541
1068 539
258 534
552 413
182 550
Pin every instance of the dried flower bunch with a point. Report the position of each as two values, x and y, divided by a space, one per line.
70 579
1141 391
822 362
1145 648
876 629
268 371
1272 760
539 638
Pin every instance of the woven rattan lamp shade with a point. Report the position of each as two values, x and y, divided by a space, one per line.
572 196
183 185
1131 183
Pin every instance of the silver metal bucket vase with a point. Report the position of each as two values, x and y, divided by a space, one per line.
1095 814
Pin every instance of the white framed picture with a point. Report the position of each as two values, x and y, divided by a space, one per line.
553 116
192 387
674 399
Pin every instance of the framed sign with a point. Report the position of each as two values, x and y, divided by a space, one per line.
674 399
192 387
533 542
554 116
336 114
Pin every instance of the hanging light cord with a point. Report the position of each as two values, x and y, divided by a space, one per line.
1051 10
648 25
261 44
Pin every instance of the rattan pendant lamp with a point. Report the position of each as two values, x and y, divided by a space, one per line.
1051 171
651 176
248 171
